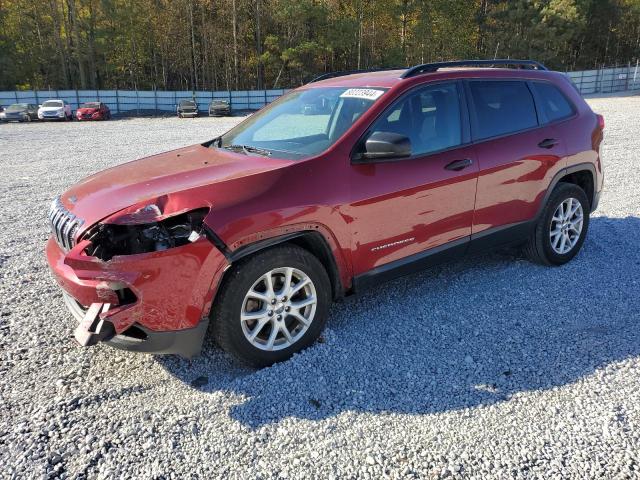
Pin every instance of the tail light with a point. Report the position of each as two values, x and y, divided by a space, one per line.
600 121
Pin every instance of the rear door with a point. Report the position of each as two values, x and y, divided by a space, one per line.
518 155
405 206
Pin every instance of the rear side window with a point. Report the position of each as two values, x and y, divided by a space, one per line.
502 107
555 105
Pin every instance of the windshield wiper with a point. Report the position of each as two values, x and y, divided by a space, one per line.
247 149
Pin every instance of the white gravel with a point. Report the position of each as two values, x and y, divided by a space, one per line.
488 368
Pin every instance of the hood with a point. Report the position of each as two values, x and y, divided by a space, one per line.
51 109
16 109
161 176
88 110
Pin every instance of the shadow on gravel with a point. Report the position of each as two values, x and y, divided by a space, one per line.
463 335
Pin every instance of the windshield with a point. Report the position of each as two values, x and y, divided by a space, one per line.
187 103
52 103
18 106
302 123
90 105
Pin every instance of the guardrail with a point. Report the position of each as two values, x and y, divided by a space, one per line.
145 102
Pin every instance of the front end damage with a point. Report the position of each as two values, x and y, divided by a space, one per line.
143 282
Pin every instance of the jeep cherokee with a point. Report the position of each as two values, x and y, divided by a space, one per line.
258 230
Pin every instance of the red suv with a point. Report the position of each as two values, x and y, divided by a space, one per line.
257 231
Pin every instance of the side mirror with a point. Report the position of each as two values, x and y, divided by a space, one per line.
384 145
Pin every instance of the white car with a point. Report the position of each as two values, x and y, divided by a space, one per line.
55 110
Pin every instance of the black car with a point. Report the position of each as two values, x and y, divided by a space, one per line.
219 108
187 108
20 112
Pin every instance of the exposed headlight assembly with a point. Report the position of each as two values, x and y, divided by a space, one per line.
109 240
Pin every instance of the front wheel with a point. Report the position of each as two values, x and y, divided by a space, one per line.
561 228
272 305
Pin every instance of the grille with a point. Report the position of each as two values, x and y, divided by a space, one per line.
64 225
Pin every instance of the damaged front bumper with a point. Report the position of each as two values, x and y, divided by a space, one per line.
92 329
155 302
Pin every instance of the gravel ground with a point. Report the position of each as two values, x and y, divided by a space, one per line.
487 368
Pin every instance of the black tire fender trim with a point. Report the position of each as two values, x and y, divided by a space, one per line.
563 173
310 237
262 244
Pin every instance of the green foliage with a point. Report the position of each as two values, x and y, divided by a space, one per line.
190 44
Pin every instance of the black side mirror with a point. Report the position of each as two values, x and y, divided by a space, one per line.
384 145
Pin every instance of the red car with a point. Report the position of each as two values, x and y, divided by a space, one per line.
93 111
257 231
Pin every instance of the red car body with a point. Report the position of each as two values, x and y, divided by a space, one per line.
366 221
93 111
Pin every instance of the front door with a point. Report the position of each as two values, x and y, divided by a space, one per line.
405 206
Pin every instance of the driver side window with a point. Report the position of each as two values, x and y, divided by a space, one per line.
429 117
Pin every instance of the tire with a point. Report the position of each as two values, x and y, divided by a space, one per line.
235 299
546 249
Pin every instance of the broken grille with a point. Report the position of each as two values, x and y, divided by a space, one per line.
64 224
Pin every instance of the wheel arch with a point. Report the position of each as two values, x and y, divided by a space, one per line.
311 240
582 175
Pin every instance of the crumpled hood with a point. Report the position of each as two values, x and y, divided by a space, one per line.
87 110
159 176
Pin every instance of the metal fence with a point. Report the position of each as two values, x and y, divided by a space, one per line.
607 79
140 102
154 102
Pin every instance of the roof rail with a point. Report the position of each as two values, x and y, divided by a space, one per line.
434 67
324 76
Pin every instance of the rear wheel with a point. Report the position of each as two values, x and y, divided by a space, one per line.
562 227
272 305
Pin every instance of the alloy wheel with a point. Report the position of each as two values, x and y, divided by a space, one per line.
278 309
566 226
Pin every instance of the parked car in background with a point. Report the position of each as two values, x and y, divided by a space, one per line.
55 110
93 111
187 108
259 229
219 108
20 112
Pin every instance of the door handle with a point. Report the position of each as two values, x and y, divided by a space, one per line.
548 143
458 165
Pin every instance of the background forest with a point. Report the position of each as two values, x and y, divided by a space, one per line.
247 44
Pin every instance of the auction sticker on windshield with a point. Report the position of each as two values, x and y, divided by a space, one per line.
365 93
